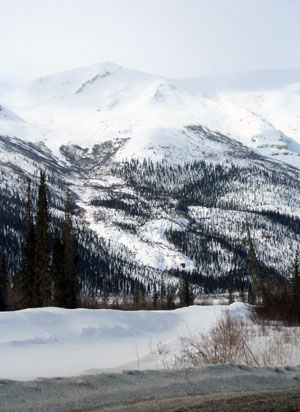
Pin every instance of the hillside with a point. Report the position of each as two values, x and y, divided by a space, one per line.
164 179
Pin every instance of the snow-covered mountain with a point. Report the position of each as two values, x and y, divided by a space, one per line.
151 161
91 105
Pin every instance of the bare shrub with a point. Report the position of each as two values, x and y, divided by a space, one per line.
223 343
160 348
235 341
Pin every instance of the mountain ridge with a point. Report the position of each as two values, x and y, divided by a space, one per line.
92 104
163 179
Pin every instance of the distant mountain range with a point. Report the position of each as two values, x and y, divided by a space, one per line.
165 172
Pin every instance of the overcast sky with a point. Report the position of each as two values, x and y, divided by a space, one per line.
174 38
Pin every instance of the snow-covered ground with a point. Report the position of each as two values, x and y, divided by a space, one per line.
59 342
149 246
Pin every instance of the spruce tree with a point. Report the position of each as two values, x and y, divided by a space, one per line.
143 295
25 278
70 258
41 284
258 288
170 298
185 292
295 289
251 297
241 289
155 296
295 284
162 291
4 285
230 295
58 278
104 291
136 294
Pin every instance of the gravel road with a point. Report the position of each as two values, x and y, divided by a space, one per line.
215 388
286 400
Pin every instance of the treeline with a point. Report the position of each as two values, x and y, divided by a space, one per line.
279 298
67 265
158 296
98 262
58 266
275 297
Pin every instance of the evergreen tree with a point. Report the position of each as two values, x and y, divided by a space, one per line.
251 296
295 289
4 285
258 288
41 284
170 298
185 292
162 291
58 278
155 296
104 290
295 284
241 289
70 266
143 295
136 294
230 295
25 279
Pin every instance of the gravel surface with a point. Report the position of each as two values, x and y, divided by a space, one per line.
166 390
287 400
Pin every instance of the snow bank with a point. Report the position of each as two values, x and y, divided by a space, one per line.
54 341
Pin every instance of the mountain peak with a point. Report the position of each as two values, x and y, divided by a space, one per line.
93 81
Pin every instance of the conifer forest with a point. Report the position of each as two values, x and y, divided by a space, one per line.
233 232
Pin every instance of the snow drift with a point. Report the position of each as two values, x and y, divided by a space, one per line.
61 342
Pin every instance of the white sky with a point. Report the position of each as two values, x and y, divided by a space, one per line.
174 38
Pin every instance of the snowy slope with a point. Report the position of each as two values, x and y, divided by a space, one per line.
55 342
85 121
91 105
279 107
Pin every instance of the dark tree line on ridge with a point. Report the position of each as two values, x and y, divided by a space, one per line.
165 189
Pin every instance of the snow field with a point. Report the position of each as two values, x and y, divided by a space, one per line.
59 342
90 105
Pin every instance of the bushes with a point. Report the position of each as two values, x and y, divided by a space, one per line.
240 342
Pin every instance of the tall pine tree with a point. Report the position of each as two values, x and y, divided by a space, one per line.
258 288
70 263
185 291
295 289
58 278
41 284
25 281
4 285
